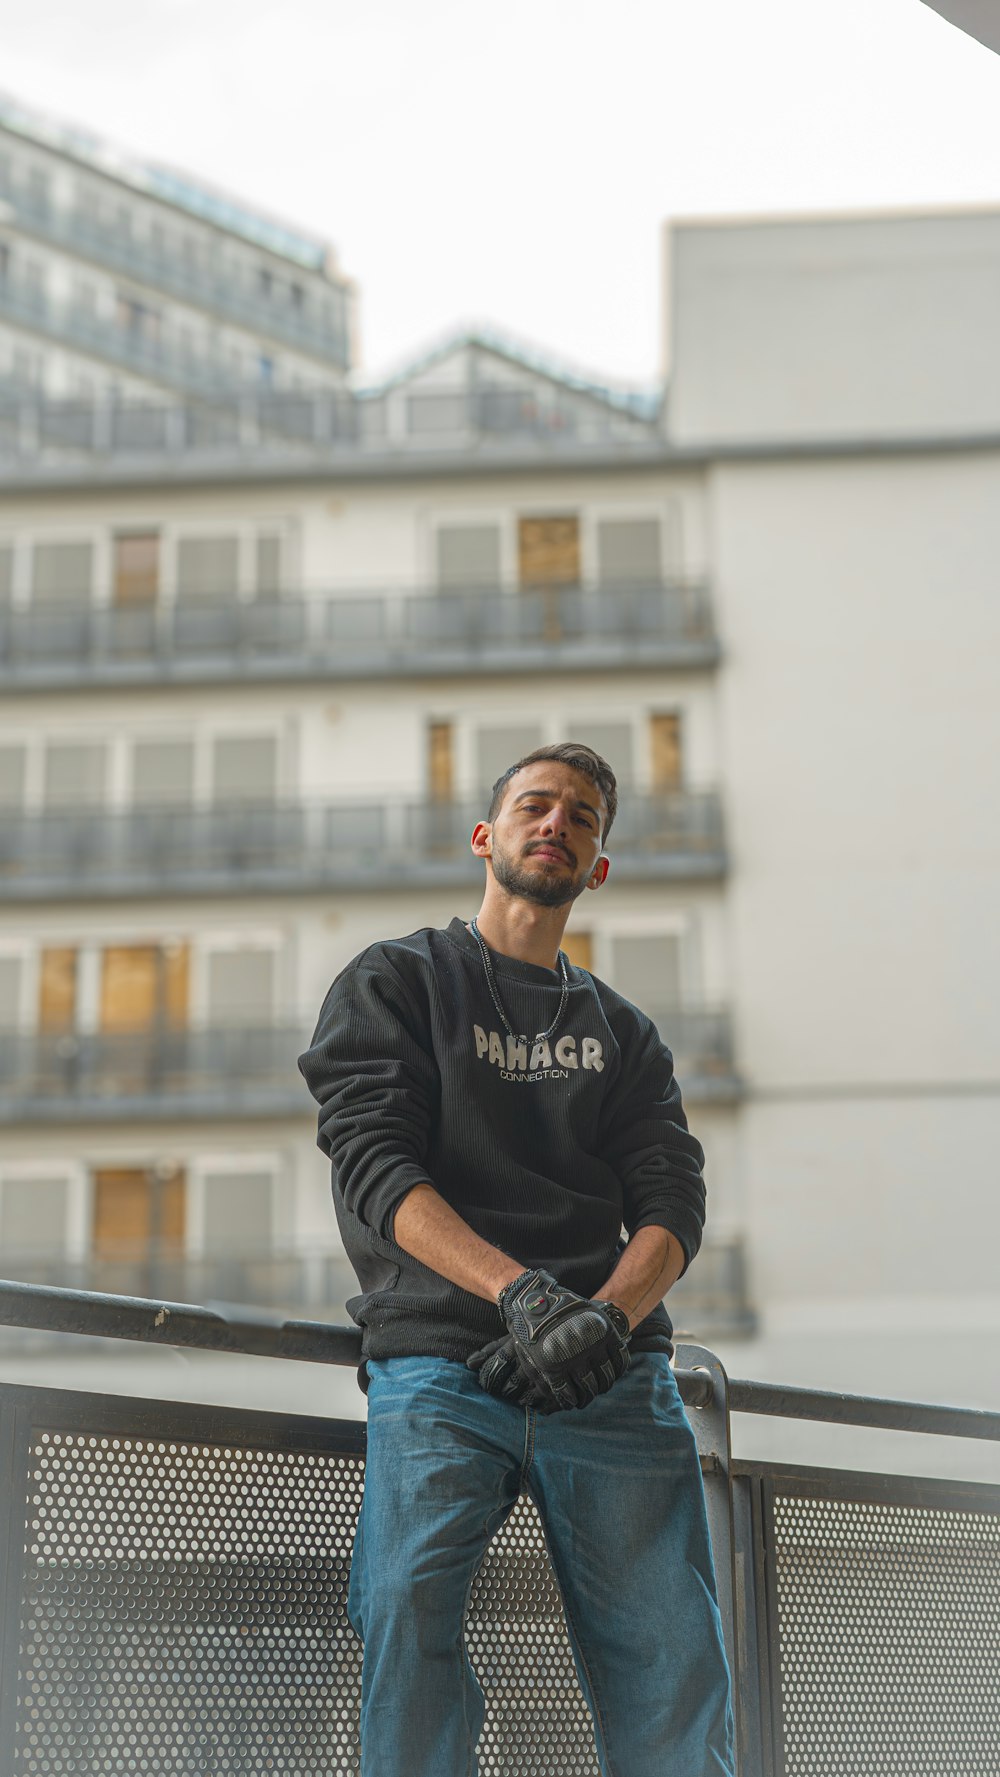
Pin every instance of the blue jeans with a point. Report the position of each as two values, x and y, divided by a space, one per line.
618 1487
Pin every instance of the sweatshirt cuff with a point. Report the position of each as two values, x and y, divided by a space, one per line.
381 1200
686 1230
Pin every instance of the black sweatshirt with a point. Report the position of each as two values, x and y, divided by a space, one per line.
545 1150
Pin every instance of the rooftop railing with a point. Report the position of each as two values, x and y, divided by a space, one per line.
246 430
251 847
364 635
174 1580
245 1070
307 328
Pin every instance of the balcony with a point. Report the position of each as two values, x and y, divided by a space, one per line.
301 847
319 335
222 1072
364 636
207 426
244 1071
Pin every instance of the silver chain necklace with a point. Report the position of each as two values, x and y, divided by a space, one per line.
542 1036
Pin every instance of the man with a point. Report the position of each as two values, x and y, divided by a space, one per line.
495 1117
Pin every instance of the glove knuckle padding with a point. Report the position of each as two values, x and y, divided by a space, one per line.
580 1331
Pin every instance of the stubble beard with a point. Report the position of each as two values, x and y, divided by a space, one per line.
533 885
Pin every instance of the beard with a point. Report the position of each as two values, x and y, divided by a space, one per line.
535 885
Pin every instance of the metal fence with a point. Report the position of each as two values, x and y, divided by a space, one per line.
175 1582
280 844
358 634
249 1069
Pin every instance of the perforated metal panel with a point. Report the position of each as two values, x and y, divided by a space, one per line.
183 1614
888 1625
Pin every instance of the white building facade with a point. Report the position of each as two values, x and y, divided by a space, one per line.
257 686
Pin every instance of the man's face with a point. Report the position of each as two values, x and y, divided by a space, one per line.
545 844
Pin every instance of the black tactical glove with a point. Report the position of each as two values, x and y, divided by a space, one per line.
571 1347
499 1373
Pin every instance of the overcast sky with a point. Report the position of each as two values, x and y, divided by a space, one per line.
514 163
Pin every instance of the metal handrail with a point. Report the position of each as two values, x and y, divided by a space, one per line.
50 1309
367 632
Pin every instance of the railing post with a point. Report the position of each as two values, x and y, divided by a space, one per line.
710 1425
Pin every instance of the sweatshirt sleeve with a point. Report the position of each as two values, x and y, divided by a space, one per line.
645 1137
370 1069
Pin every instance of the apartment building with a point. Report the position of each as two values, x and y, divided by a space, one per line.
121 280
258 679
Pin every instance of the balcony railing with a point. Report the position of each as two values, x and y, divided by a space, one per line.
147 350
240 848
364 636
315 333
210 421
248 1070
158 1545
244 1071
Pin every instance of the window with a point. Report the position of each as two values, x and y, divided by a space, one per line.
162 772
62 573
11 975
468 555
628 552
33 1216
208 567
241 986
267 581
666 756
74 773
437 412
136 568
13 774
238 1213
646 969
549 551
613 740
497 748
245 768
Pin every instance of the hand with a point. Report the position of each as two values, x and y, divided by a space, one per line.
500 1374
574 1348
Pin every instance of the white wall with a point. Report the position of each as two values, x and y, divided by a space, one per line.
787 328
860 737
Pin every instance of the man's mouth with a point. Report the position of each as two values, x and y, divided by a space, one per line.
550 851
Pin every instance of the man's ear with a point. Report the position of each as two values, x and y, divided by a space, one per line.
482 834
599 873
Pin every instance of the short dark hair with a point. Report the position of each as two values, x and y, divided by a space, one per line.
579 758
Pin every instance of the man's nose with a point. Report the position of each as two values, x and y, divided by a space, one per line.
556 821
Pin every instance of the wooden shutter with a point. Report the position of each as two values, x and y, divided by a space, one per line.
57 989
579 948
549 551
128 1205
441 761
143 985
665 745
137 568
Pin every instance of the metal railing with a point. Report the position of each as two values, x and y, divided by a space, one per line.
243 847
211 419
212 1547
359 636
147 351
200 284
246 1070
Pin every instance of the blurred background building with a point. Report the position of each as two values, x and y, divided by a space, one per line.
268 633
